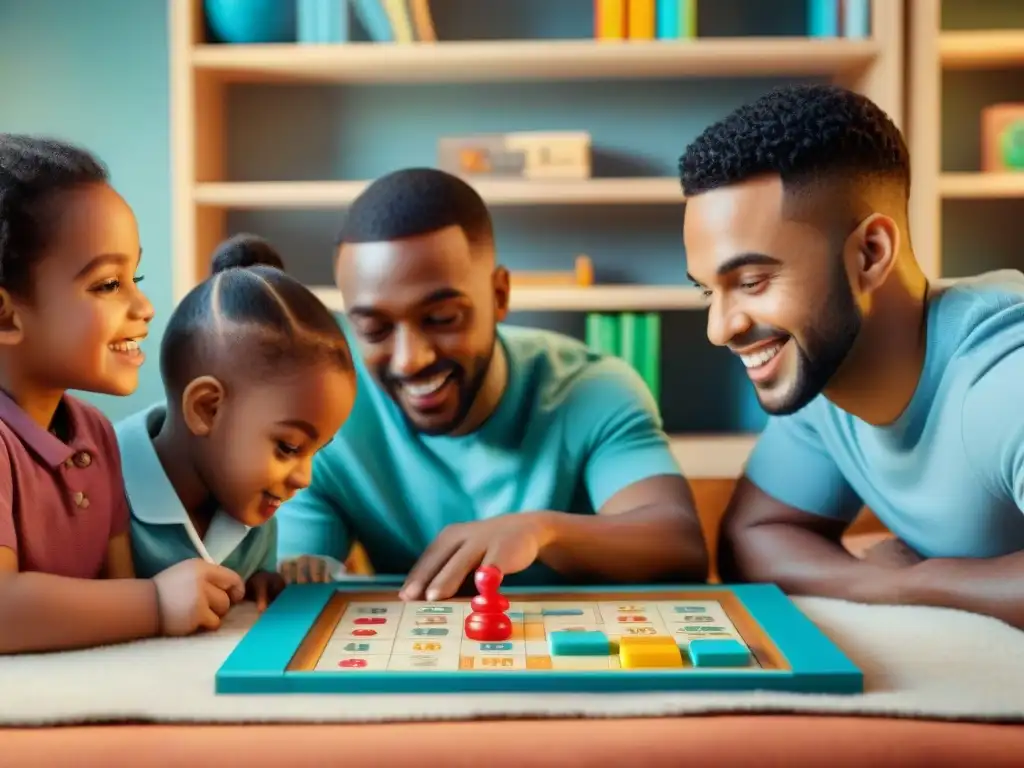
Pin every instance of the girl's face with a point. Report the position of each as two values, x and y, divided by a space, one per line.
85 316
259 449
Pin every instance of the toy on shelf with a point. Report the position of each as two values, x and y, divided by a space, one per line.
533 155
581 277
1002 138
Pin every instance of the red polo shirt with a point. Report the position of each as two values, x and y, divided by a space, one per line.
60 503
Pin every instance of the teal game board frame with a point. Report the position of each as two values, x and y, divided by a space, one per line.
795 654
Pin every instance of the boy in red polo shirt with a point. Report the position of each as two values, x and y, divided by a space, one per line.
71 317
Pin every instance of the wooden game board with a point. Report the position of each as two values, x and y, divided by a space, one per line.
342 638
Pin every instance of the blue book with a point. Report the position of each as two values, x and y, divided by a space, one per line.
857 18
667 19
375 20
823 18
322 21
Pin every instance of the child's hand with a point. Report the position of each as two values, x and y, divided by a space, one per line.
195 594
264 587
307 569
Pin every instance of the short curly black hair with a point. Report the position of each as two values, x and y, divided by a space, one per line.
801 133
416 201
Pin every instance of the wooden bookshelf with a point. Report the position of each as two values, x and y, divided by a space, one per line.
520 60
597 298
334 194
933 51
203 193
984 49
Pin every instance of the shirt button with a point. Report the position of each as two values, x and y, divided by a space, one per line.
81 500
83 459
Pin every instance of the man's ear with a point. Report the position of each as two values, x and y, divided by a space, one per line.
500 282
877 243
201 404
10 321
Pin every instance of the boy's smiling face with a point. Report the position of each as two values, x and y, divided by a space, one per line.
83 317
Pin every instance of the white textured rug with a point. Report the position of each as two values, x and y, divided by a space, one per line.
918 663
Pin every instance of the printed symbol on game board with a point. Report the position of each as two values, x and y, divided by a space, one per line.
689 609
630 608
426 646
496 661
433 620
352 663
495 646
423 662
434 609
572 629
370 620
373 611
429 631
699 630
357 647
697 618
640 631
363 632
632 619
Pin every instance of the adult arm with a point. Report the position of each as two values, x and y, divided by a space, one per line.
993 443
646 528
786 518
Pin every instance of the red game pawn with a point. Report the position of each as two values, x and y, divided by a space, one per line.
488 622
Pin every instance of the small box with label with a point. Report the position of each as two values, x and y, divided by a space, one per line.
560 155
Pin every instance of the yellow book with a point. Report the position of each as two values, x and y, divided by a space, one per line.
398 15
610 19
641 22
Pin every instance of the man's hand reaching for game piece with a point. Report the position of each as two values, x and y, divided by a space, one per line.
510 542
195 594
307 569
263 587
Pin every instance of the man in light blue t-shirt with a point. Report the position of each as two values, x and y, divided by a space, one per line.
472 442
884 390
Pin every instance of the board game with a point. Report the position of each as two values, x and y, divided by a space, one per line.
361 638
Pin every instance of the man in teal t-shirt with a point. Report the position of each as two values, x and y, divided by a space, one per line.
884 390
471 442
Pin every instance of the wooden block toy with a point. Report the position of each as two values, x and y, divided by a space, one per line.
581 277
355 637
584 643
1002 138
718 653
652 651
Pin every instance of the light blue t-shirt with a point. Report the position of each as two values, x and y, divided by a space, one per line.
948 476
572 429
161 532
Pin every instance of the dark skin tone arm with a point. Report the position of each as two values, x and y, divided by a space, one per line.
42 612
648 532
764 540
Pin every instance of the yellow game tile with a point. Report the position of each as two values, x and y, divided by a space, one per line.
538 662
649 652
533 632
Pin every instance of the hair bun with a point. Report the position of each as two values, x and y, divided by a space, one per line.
243 251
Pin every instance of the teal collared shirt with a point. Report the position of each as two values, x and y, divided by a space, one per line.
162 533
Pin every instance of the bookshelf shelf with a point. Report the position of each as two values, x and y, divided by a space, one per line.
984 49
206 197
329 194
517 60
598 298
704 457
977 186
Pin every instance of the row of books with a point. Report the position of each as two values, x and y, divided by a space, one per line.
631 336
405 21
645 19
385 21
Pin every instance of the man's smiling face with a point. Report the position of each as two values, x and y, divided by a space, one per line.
779 294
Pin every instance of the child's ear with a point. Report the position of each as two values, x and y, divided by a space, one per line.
10 321
201 403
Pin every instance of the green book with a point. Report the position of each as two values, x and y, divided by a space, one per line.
602 333
650 359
